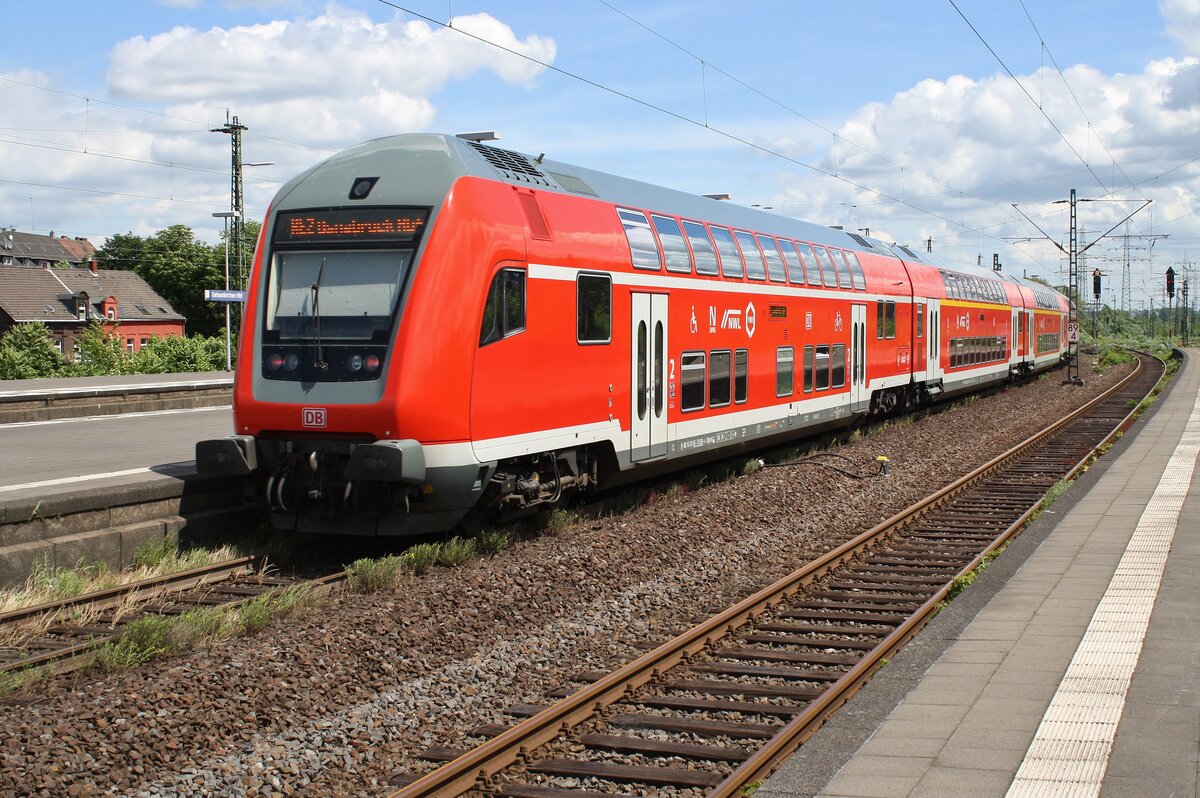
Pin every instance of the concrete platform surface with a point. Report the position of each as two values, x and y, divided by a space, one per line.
1070 667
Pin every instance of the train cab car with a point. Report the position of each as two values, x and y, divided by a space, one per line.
436 327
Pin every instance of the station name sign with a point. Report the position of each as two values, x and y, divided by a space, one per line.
224 295
368 225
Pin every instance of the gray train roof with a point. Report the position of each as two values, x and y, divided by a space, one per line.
429 163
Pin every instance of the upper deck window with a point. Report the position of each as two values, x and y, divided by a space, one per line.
676 251
755 269
811 266
839 263
856 270
731 258
795 262
702 248
642 244
828 272
775 269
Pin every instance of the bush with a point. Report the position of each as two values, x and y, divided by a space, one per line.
172 354
28 351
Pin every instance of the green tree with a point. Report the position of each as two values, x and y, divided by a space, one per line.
123 251
179 267
27 351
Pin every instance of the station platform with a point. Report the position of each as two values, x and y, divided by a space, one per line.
1070 667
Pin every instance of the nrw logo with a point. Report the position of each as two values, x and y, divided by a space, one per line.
313 417
731 320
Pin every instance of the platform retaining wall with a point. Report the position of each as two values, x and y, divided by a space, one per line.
109 525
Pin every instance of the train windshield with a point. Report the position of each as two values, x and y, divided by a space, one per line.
338 295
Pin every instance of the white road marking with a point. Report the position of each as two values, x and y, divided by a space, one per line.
182 467
111 416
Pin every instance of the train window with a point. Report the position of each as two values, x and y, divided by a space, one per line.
808 369
828 272
741 370
785 365
920 320
731 258
889 319
675 250
821 367
755 269
593 308
775 268
795 265
810 264
839 365
718 378
504 310
879 311
642 244
691 381
856 270
843 271
702 248
642 356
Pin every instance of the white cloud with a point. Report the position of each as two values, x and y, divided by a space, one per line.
989 140
325 82
350 76
1183 23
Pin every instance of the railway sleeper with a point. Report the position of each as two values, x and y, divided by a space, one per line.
632 774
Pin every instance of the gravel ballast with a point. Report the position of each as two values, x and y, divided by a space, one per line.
337 701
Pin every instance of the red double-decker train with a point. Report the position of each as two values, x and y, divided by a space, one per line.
436 326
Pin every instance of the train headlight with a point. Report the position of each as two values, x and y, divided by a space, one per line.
291 362
354 362
274 361
372 362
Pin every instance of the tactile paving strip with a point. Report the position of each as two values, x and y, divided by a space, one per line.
1069 754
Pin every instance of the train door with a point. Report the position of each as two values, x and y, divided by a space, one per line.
1013 344
933 335
648 430
858 358
1029 353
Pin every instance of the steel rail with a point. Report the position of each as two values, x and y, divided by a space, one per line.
475 768
763 761
75 656
148 588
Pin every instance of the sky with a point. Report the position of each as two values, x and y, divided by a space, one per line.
924 120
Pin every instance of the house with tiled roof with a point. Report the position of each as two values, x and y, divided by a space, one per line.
66 300
31 249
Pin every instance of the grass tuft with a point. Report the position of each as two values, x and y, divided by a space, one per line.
457 551
421 557
367 575
492 541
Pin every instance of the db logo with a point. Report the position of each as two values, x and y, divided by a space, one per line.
313 417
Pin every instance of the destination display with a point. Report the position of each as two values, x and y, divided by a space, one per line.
373 225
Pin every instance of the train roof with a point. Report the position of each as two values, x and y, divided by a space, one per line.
432 162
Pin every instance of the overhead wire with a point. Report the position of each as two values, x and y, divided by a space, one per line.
680 117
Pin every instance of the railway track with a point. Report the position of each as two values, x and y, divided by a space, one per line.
66 642
720 706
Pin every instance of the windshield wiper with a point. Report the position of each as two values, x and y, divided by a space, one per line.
319 364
